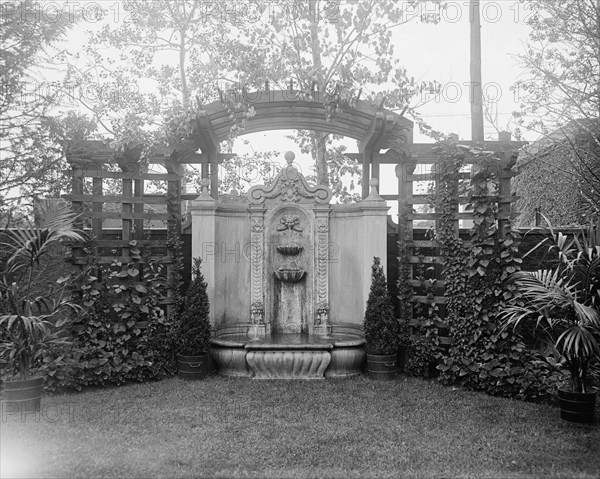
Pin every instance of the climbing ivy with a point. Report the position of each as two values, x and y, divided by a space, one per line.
477 284
419 333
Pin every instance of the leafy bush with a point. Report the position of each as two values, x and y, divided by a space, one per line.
422 357
123 334
193 320
380 324
563 303
423 351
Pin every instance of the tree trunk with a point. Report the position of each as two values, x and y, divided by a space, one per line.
320 157
319 137
185 94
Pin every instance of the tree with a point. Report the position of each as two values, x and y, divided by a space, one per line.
147 37
169 59
558 176
31 164
560 98
342 49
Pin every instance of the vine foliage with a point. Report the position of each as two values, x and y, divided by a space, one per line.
477 281
122 333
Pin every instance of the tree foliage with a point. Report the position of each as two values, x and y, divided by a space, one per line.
560 99
192 54
343 50
169 62
31 160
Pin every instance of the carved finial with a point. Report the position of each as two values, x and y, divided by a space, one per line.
204 194
373 183
373 194
289 157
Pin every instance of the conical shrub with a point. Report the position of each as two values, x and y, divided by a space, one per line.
380 325
194 319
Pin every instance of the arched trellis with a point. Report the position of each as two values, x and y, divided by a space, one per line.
375 128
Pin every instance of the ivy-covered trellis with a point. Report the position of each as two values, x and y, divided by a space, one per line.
451 296
450 170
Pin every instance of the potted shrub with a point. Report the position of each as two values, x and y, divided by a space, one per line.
563 304
30 321
193 325
381 327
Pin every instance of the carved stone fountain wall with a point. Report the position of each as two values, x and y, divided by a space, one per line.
282 259
290 224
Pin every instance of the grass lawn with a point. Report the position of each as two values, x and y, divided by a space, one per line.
335 428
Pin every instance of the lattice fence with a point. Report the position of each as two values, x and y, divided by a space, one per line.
418 221
126 208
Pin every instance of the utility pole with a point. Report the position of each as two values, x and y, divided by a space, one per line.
476 95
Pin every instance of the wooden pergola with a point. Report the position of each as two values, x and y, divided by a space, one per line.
374 127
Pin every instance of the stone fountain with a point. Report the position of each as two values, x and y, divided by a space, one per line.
288 276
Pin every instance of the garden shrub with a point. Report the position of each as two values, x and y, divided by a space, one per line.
380 325
123 333
422 357
192 317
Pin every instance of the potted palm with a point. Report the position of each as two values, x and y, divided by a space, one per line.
563 303
381 327
193 328
29 321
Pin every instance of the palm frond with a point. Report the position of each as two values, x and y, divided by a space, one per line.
578 342
30 242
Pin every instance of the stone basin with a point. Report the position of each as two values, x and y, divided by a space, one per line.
289 356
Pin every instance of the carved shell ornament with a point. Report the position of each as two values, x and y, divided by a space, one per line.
289 186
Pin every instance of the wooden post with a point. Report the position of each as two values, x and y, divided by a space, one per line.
174 189
405 232
77 189
375 166
504 203
97 206
138 208
366 172
126 223
214 176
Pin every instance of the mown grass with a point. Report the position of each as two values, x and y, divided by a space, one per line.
336 428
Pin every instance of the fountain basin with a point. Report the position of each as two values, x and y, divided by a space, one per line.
289 356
